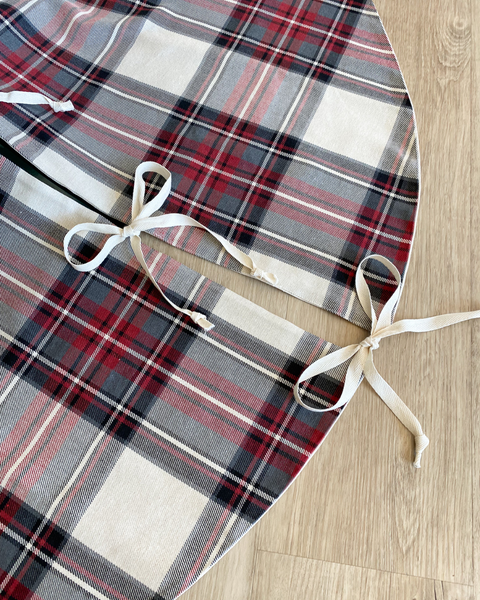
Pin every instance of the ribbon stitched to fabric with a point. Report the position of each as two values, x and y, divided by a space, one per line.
35 98
143 221
362 354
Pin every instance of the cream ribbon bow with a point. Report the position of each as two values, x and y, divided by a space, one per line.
143 221
362 353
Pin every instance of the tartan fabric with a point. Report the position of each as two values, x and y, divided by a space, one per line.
286 124
135 449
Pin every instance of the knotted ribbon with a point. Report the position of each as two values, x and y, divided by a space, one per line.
361 354
35 98
143 221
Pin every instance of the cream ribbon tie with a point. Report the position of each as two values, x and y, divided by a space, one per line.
142 220
361 354
35 98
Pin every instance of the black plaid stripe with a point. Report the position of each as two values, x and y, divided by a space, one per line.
24 526
95 398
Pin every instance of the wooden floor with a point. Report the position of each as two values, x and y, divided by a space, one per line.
359 522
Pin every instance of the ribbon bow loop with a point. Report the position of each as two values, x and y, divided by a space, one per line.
140 209
142 220
361 355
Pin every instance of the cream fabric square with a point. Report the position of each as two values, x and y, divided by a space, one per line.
50 203
352 125
291 279
92 190
255 320
140 518
180 58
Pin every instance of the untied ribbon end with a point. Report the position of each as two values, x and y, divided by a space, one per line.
62 106
421 442
201 321
35 98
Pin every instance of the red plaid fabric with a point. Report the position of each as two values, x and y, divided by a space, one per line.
135 449
286 125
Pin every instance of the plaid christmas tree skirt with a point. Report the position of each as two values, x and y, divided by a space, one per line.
149 417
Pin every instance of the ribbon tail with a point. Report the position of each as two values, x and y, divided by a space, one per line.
198 318
398 407
430 323
20 97
181 220
201 320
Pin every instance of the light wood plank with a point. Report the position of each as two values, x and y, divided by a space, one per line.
360 501
453 591
475 285
281 577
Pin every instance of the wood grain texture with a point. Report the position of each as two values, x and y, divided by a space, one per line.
374 510
475 285
360 522
281 577
232 577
